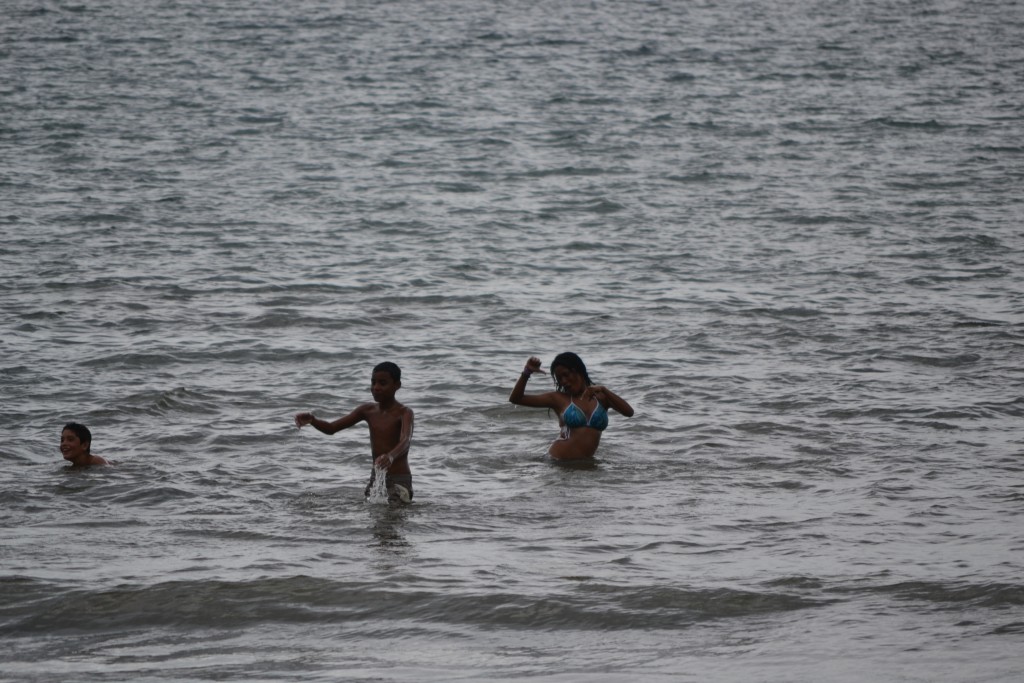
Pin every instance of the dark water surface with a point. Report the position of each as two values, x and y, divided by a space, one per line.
788 233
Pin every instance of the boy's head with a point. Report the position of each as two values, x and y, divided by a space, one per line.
391 369
386 380
75 440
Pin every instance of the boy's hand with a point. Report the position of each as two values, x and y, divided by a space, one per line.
383 462
303 419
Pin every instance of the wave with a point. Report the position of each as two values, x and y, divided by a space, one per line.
35 606
956 596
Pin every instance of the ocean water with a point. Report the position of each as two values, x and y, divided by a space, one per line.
789 234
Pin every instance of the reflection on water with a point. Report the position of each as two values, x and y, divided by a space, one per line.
581 465
387 523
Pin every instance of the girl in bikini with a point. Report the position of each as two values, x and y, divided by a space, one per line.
581 405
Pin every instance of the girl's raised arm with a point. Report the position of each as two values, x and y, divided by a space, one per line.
521 398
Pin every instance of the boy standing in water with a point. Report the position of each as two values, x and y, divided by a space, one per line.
390 431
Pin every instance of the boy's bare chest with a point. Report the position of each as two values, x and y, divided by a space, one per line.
384 422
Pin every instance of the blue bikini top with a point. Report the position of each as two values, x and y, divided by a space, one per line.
574 417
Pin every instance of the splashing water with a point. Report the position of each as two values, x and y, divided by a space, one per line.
379 488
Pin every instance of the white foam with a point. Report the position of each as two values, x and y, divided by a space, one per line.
379 489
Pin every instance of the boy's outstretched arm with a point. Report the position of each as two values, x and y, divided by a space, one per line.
355 417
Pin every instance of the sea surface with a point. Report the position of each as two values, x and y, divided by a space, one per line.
790 234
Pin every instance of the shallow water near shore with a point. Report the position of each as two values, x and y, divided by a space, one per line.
789 235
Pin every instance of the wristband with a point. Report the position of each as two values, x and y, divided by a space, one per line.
527 372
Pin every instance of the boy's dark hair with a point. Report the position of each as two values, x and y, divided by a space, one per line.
82 432
391 369
573 362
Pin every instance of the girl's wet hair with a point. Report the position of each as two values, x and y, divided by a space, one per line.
570 361
391 369
82 432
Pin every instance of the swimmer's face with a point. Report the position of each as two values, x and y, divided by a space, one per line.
571 380
383 386
72 447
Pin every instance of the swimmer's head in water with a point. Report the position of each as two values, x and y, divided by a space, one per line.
570 364
82 432
75 441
